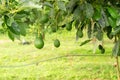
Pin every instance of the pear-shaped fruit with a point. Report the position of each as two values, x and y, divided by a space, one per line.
69 26
39 43
56 43
79 33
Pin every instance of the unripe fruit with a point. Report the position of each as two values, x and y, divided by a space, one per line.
56 43
39 43
69 26
79 33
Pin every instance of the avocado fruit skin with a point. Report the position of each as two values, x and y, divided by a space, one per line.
39 43
56 43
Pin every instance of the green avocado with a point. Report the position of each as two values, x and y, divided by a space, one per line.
69 26
79 33
39 43
56 43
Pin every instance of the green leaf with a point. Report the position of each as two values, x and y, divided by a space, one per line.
76 22
37 13
112 22
48 4
15 28
72 5
53 28
99 35
105 18
101 22
11 35
6 19
10 21
19 16
89 11
61 5
44 19
78 13
23 27
116 31
97 15
113 12
118 21
89 29
30 5
95 28
52 13
116 48
108 29
85 42
17 36
109 35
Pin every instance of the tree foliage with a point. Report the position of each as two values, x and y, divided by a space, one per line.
99 17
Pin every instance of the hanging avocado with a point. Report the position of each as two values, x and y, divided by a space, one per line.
79 33
56 43
69 26
39 43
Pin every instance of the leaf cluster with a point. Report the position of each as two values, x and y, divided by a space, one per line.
99 17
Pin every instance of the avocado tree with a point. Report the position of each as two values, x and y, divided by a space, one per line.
99 17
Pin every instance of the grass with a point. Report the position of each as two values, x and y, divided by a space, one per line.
14 56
